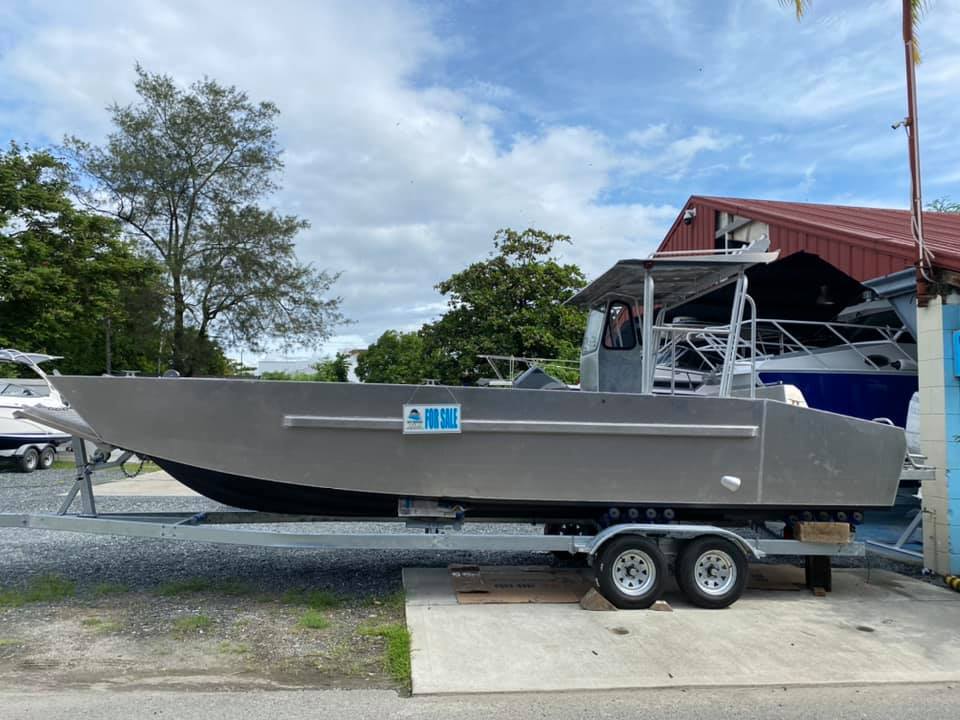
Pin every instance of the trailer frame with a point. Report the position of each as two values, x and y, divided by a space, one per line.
442 533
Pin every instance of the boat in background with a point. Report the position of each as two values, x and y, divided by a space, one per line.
845 349
30 444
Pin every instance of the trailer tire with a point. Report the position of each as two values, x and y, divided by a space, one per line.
47 457
631 572
29 461
711 572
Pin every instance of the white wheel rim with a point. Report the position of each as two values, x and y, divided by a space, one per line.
633 572
31 461
715 572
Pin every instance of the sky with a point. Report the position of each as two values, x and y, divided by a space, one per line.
414 130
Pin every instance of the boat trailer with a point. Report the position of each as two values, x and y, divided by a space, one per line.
631 559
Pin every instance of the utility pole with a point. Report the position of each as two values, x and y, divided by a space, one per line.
910 123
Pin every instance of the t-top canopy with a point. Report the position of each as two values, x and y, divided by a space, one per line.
677 279
10 355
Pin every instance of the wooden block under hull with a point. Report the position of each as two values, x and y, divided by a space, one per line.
823 532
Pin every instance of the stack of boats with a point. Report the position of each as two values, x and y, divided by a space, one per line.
722 450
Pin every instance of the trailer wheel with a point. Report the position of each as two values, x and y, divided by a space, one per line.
47 457
631 572
711 572
29 460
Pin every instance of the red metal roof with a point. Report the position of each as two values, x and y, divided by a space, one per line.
864 242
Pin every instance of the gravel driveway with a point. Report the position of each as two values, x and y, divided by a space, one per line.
134 612
142 564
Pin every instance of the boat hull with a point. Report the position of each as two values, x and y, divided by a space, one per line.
16 433
518 448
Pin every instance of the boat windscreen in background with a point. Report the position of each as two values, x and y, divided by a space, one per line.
801 286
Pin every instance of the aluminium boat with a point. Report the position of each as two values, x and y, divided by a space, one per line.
341 449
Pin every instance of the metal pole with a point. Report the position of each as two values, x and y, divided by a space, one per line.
646 380
107 336
733 338
913 143
753 346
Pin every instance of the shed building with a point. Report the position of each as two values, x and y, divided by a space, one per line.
867 243
863 242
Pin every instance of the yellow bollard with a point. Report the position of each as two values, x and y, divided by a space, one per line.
952 581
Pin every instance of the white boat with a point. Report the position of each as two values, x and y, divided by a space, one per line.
30 444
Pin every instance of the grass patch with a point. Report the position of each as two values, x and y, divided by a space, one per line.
393 601
9 642
184 587
107 588
192 624
129 467
232 648
313 599
44 588
397 658
189 586
315 620
100 625
147 467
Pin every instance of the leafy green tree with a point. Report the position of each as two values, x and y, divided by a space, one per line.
65 272
510 304
185 170
396 357
333 370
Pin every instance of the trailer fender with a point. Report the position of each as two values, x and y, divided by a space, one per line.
594 545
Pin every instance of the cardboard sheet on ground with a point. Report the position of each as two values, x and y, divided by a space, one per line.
475 584
495 584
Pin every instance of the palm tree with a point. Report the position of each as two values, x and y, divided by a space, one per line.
913 10
916 10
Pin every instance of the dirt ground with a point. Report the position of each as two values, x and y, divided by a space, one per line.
196 635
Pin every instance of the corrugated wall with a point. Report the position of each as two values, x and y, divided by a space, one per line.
696 236
861 260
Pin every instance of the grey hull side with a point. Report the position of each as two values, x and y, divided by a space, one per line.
516 445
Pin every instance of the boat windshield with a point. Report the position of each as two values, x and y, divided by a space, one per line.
591 336
14 390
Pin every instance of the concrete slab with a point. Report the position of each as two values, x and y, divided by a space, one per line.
154 484
425 587
883 629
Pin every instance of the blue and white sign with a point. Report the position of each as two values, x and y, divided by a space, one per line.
431 419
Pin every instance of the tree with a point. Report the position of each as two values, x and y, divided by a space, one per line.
510 304
944 205
911 14
396 357
65 273
184 170
335 370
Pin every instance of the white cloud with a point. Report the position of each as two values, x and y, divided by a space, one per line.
649 136
402 184
405 173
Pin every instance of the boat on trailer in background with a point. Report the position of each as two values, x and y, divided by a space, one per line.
31 445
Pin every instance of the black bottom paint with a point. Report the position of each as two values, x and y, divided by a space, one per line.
277 497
